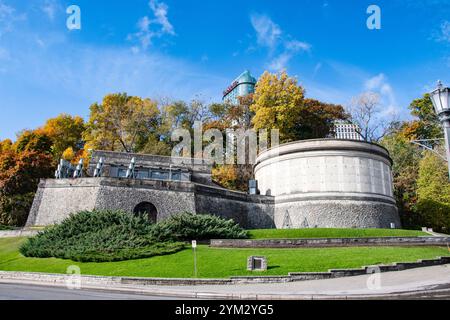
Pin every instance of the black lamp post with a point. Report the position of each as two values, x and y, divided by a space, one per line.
441 103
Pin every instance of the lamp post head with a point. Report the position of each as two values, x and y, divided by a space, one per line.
441 101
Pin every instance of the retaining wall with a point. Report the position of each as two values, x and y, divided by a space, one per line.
332 242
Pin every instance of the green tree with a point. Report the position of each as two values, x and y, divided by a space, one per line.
427 126
433 190
405 171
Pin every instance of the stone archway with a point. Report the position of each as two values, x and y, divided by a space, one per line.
148 209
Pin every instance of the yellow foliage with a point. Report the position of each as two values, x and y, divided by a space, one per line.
6 145
119 121
65 132
225 175
68 154
277 104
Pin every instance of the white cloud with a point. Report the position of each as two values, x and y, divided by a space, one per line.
281 48
8 16
144 35
444 34
160 11
4 54
267 32
50 7
380 85
90 72
375 82
280 62
296 46
317 68
152 28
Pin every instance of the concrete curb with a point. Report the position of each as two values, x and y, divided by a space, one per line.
18 233
232 296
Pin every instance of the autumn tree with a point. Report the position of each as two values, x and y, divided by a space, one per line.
19 176
182 115
121 122
65 131
33 140
238 118
6 145
316 119
276 104
279 103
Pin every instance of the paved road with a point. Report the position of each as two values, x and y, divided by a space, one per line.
32 292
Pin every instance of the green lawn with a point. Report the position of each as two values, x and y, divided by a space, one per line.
221 263
332 233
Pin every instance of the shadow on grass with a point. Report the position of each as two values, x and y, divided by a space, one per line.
273 267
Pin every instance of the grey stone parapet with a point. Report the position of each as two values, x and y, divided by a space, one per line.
331 242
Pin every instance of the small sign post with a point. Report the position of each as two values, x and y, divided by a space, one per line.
194 247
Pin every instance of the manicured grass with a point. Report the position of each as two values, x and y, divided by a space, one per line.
220 263
332 233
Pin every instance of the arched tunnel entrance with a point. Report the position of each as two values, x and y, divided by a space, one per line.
148 209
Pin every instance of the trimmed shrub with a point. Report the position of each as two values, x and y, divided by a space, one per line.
99 236
188 226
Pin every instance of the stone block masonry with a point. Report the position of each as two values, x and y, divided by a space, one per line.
57 199
305 184
332 242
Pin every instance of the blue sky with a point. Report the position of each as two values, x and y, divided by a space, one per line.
187 49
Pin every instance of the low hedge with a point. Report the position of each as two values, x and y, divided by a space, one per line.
188 226
105 236
99 236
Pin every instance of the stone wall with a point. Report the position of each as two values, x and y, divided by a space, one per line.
315 183
168 197
55 200
252 212
331 242
339 213
329 184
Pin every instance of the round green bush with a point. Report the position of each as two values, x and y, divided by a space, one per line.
99 236
188 226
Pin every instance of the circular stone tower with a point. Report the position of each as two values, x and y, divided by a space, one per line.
329 184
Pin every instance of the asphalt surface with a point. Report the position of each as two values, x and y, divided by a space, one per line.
32 292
